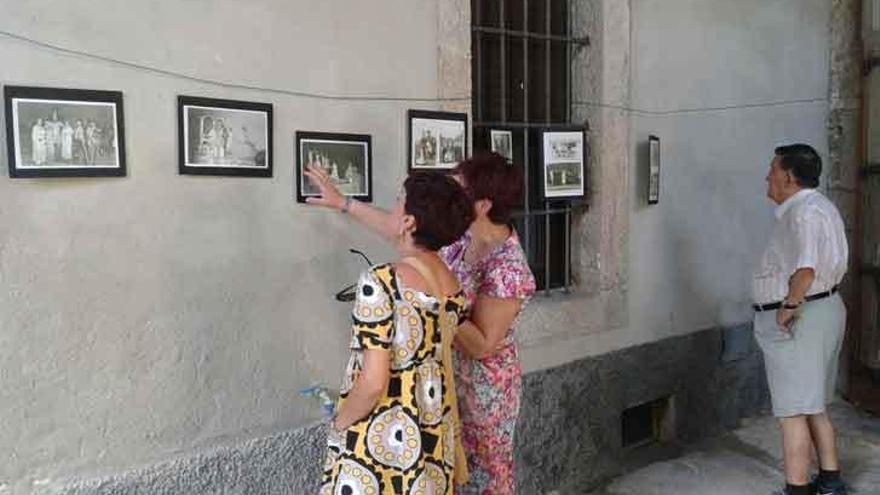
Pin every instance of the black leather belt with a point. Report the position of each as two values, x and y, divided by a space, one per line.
777 305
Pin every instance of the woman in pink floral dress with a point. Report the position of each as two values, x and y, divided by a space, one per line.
495 276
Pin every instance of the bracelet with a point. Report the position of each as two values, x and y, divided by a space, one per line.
346 206
791 305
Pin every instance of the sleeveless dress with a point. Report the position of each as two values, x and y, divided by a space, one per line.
489 389
406 444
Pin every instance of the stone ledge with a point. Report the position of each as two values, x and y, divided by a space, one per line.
568 437
285 463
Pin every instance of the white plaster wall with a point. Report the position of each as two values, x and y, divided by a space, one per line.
152 314
722 83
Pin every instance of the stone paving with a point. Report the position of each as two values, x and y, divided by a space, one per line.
748 461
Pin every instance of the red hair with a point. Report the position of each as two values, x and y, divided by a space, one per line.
489 176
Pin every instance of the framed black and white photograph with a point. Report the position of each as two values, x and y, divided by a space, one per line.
501 142
653 170
563 156
346 158
224 137
55 132
437 140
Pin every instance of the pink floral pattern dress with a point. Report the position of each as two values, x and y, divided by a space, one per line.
489 389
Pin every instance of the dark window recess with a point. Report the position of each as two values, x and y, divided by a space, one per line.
522 83
646 423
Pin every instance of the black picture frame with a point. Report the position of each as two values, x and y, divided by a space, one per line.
567 161
229 154
330 147
507 152
438 122
84 149
653 170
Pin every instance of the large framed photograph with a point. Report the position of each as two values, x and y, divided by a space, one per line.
563 155
437 140
55 132
501 142
224 137
346 158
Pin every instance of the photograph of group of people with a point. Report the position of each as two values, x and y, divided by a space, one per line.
225 137
346 175
564 158
343 158
437 139
65 134
438 150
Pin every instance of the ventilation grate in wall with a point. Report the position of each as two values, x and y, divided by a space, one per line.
647 423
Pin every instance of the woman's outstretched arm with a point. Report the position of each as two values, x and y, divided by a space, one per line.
375 219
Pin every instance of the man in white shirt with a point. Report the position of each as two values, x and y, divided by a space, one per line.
800 318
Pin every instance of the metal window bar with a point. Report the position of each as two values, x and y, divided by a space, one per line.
548 118
503 56
527 223
505 36
478 47
568 119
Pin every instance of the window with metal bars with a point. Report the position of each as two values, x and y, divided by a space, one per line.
522 83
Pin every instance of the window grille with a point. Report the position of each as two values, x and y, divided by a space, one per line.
522 52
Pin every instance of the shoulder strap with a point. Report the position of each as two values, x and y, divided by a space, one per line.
460 475
420 266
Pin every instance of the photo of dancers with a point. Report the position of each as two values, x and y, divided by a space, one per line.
345 158
57 132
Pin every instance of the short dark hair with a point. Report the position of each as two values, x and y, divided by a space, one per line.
803 162
441 207
489 176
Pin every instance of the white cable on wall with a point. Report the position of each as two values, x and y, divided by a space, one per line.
165 72
322 96
701 109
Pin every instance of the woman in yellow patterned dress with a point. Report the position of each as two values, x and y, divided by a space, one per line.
392 433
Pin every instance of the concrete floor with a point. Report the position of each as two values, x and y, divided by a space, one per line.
748 461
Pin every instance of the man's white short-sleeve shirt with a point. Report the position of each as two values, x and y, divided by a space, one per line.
808 233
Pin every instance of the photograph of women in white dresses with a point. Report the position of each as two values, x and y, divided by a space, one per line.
345 158
64 134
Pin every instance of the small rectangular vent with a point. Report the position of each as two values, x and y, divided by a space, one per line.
647 423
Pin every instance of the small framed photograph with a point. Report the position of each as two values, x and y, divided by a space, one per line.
346 158
224 137
501 142
563 155
437 140
54 132
653 170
